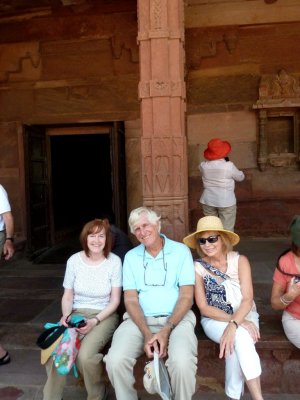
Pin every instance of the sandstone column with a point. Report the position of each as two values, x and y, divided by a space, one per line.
162 97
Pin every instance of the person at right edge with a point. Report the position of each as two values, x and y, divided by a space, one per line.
218 177
286 285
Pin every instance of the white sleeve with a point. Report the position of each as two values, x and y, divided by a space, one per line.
237 175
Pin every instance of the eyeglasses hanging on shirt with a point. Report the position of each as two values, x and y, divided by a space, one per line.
158 276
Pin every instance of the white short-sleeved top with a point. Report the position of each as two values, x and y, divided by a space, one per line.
4 206
92 284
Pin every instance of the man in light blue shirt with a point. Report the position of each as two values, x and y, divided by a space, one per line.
158 283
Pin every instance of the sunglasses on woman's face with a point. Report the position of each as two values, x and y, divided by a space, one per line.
210 239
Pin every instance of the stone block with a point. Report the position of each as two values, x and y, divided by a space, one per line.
232 126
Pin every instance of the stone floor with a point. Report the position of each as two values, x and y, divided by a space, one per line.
30 296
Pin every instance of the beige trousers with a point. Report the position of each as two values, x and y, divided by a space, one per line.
128 345
226 214
88 362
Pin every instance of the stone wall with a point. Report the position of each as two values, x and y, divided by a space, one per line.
225 66
67 67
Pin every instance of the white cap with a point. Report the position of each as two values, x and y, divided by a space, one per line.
156 378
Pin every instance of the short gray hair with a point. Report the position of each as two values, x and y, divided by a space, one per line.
137 213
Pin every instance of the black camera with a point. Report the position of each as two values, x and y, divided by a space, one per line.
79 324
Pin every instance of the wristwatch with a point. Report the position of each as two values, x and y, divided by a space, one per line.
97 319
170 325
234 322
10 238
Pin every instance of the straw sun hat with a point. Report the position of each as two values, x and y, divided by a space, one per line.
206 224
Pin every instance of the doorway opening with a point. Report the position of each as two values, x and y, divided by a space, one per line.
81 181
73 175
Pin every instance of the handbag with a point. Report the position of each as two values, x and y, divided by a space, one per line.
49 340
227 295
64 356
62 343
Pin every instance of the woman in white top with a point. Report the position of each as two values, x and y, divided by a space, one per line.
224 296
218 177
92 288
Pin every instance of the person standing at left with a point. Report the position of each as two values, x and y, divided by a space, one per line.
6 245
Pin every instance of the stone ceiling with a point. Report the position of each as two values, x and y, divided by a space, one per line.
16 9
10 8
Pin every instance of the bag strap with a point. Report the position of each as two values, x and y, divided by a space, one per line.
286 273
49 336
212 269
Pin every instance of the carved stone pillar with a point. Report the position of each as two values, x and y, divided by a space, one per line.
162 95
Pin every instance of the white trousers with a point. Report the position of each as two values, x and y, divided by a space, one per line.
128 345
291 326
243 363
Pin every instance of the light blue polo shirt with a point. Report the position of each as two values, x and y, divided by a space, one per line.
158 279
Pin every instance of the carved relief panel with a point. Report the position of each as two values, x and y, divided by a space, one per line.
278 116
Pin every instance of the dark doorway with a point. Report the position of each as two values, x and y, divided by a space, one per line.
73 174
81 180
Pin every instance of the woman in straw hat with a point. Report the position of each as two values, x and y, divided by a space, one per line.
218 177
286 285
224 295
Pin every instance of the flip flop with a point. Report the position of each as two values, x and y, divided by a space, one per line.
5 359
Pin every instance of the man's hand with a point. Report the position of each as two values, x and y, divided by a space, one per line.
8 249
158 343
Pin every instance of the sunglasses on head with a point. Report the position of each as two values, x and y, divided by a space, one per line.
210 239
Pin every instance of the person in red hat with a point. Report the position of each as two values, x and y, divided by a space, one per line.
218 177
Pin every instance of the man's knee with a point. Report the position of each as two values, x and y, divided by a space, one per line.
113 360
182 363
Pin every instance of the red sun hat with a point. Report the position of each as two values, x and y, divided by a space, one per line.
216 149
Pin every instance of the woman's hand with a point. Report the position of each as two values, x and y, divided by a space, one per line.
293 290
252 329
63 321
89 325
227 340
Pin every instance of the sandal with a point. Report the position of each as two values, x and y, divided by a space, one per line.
5 359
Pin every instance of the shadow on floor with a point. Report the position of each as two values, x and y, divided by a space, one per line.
57 254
